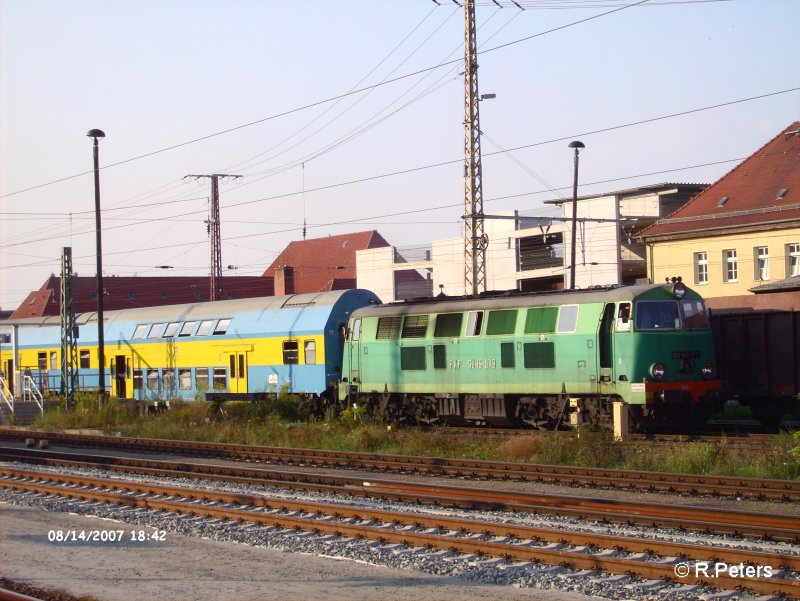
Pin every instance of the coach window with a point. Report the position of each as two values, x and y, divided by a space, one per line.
152 379
155 331
169 379
201 378
53 360
220 378
42 361
137 379
567 319
205 327
171 329
84 361
185 378
290 352
141 330
187 328
474 323
624 317
310 352
222 327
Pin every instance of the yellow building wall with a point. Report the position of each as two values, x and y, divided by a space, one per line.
678 258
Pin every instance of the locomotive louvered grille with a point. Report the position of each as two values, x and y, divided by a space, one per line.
541 320
415 326
448 325
539 355
388 327
501 322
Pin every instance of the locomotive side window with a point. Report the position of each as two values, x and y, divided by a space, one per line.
290 352
415 326
501 322
389 327
567 319
657 315
474 323
694 315
355 334
448 325
541 320
624 317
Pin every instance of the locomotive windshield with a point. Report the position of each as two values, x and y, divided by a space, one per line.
671 315
657 315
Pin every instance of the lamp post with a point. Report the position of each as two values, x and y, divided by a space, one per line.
101 359
577 146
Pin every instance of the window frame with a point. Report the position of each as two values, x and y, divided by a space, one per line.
171 329
188 325
291 356
701 268
761 263
222 327
564 315
792 259
206 327
730 266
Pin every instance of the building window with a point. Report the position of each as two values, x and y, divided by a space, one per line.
792 260
761 260
730 266
701 268
84 359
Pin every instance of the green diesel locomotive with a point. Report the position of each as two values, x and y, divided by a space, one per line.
549 359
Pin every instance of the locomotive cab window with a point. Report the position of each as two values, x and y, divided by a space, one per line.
695 316
355 333
657 315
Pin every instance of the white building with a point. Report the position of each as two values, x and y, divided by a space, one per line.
530 251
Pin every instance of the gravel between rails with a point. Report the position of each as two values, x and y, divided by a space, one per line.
469 570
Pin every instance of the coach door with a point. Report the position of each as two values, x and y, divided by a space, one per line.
355 352
120 370
237 371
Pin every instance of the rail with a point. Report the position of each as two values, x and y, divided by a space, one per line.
6 394
31 392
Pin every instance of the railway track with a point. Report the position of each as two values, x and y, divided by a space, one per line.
773 525
598 478
651 559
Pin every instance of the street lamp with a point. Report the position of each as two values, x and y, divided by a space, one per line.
101 358
577 146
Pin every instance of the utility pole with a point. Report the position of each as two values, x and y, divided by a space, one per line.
215 281
69 332
475 240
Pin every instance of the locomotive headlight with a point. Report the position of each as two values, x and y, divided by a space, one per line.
658 371
708 371
679 290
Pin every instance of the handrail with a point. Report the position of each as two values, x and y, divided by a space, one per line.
6 394
31 392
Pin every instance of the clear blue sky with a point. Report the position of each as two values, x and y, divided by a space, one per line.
155 74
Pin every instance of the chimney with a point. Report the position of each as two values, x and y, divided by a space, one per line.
284 280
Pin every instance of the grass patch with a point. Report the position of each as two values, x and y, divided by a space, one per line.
283 423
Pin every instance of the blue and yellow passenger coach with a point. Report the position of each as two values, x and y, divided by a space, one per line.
237 347
544 359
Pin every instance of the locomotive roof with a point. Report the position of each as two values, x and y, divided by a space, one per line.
196 311
513 299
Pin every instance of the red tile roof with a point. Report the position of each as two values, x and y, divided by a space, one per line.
129 292
762 190
323 264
